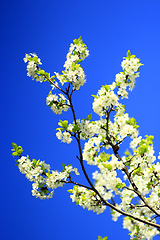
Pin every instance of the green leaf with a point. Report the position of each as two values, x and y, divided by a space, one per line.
137 228
70 190
35 59
34 161
150 185
137 171
89 117
75 41
100 238
75 188
108 166
77 202
17 163
45 191
14 154
128 54
63 165
78 41
95 96
106 87
142 149
149 139
60 129
127 152
120 185
43 168
41 72
104 157
50 93
48 174
76 128
19 150
63 124
132 122
47 75
14 145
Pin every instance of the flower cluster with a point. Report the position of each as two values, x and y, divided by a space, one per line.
124 126
87 199
73 72
104 99
87 128
91 148
139 230
118 130
107 96
57 179
32 67
38 172
64 136
57 103
84 127
125 79
77 52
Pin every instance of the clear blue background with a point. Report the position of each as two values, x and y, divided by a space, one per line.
109 28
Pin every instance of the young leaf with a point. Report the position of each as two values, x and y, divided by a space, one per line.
89 117
100 238
76 128
14 145
14 154
128 54
63 124
104 156
120 185
63 165
95 96
105 238
108 166
142 149
70 190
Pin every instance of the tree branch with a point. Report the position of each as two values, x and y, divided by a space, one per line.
135 187
130 179
75 183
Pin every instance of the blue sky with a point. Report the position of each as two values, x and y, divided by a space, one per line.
109 28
